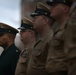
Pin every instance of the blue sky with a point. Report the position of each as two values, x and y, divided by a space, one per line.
10 12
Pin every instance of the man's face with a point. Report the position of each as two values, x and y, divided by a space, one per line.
38 22
57 10
25 35
4 39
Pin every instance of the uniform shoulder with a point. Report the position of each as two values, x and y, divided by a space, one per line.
15 49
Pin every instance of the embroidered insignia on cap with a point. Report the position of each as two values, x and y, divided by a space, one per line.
31 27
16 50
46 13
9 31
64 0
51 0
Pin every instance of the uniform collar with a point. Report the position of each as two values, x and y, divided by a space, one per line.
62 26
47 35
28 48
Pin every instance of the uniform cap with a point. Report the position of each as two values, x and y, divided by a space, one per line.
41 9
5 28
26 24
67 2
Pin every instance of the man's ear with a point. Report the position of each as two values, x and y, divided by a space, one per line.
66 9
9 38
45 21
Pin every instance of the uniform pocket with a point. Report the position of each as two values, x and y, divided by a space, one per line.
22 60
55 42
36 52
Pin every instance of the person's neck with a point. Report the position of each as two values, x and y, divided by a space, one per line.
62 19
44 31
30 42
8 45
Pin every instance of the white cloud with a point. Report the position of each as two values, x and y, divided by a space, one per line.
10 12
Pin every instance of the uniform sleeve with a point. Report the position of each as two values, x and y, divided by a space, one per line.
14 62
70 48
56 60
